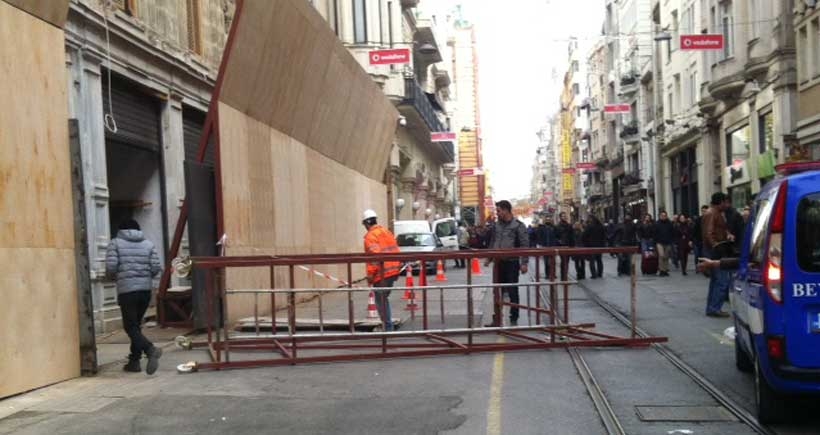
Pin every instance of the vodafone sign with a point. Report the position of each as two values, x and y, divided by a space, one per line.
443 136
617 108
389 57
701 42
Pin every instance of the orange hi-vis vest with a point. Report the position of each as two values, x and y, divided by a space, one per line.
380 240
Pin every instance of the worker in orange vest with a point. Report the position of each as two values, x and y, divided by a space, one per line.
380 274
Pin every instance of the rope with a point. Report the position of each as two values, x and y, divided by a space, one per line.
108 120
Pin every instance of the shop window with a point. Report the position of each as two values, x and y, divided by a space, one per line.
738 145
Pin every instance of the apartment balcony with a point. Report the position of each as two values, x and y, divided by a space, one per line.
759 53
629 84
632 178
422 116
596 191
728 79
630 133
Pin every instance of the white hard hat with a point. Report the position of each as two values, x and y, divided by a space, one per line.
368 214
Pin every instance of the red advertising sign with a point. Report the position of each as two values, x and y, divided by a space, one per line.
470 172
586 166
568 171
617 108
389 57
443 136
701 42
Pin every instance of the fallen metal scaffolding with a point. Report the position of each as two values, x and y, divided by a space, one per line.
229 349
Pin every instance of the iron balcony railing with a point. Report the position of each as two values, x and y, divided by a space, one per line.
414 96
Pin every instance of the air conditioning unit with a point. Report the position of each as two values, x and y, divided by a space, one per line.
737 173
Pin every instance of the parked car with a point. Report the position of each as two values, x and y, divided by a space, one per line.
423 242
404 227
776 293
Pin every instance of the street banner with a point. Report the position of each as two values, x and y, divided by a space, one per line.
568 171
701 42
615 109
389 57
586 166
443 136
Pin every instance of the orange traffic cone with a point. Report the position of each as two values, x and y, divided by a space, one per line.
372 311
408 282
440 272
476 267
411 302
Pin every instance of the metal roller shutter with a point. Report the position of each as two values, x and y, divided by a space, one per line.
193 121
136 113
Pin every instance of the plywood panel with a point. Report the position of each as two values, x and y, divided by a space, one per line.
39 318
35 196
52 11
275 75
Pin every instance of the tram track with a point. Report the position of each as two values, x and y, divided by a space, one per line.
608 417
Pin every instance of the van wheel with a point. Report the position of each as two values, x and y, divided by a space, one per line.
742 360
771 406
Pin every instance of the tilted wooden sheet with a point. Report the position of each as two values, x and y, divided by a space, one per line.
288 70
52 11
39 327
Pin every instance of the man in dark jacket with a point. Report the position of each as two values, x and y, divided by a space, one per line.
133 262
508 233
664 236
628 236
564 237
595 237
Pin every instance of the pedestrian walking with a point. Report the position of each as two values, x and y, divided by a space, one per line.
381 274
683 241
595 237
628 236
646 233
564 237
546 239
717 242
697 233
579 260
664 237
509 233
463 244
132 261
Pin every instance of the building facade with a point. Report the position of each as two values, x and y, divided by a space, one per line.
807 28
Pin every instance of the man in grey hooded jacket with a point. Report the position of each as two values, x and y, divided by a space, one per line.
133 262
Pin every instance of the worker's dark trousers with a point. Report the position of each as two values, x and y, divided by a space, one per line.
508 272
133 306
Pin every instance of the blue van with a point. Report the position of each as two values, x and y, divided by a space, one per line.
776 294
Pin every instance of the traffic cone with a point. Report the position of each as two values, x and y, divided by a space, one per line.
411 302
440 272
372 311
408 282
476 267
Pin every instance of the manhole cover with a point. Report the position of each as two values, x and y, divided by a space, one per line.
684 413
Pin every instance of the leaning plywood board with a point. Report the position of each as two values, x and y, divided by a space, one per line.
51 11
39 325
271 69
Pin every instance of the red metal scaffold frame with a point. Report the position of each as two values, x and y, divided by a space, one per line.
351 345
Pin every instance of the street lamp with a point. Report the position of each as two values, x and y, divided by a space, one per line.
399 205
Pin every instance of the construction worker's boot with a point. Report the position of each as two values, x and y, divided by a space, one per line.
132 366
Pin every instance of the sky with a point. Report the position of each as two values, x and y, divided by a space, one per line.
522 49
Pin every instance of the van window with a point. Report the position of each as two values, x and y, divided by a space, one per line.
446 228
808 233
415 239
761 224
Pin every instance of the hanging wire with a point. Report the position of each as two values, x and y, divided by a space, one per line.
108 120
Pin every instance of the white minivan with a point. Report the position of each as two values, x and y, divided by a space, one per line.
447 231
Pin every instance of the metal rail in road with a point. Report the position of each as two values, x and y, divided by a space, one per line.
732 406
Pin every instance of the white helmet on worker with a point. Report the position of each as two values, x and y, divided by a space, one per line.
368 214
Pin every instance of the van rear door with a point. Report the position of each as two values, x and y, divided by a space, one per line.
801 278
447 231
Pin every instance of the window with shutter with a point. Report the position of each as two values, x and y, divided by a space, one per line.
194 34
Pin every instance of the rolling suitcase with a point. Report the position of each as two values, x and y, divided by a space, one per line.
649 262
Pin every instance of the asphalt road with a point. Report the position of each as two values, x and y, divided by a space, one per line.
535 392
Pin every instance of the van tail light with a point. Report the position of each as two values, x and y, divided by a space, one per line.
773 278
776 348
